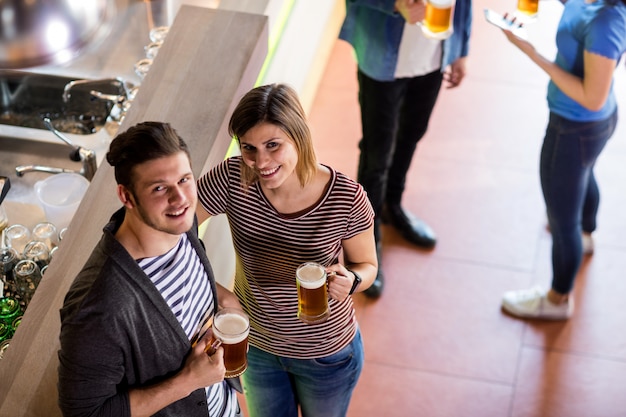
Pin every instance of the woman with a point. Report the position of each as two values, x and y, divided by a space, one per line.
284 209
590 40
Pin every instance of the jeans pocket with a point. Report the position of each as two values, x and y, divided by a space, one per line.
592 143
593 136
340 358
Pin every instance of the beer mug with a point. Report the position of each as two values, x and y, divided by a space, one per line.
230 329
437 22
312 293
527 10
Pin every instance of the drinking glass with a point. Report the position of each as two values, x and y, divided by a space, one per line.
27 277
312 293
46 232
437 22
17 236
230 329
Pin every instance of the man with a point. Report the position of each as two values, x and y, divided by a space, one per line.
134 322
400 72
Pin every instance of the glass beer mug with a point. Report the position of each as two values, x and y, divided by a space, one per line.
231 327
437 22
527 10
312 293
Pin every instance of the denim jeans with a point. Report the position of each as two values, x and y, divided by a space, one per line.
570 191
394 117
274 386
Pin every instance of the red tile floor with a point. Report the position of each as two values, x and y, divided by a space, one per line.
436 342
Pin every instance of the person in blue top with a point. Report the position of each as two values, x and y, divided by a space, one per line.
400 72
590 39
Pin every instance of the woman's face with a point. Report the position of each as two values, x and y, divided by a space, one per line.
271 154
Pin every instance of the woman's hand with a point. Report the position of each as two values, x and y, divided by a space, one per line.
525 46
591 90
340 282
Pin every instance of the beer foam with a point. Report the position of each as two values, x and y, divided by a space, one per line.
230 328
311 276
442 4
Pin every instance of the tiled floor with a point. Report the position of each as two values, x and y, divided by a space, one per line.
436 342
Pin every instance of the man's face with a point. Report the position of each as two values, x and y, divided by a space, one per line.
164 194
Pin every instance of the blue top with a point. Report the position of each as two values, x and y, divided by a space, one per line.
598 28
374 30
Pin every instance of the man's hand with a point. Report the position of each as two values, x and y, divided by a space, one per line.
455 73
200 370
413 11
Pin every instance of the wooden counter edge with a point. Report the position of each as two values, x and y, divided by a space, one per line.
208 61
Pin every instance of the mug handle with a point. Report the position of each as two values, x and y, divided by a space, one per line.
212 348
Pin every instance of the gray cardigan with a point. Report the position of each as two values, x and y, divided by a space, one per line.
117 333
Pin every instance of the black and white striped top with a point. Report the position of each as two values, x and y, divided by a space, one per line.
182 281
269 247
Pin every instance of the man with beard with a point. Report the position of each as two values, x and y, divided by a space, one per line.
135 321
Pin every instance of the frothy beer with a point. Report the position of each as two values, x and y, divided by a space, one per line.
438 17
528 7
312 293
231 327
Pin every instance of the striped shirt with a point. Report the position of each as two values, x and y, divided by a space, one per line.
183 282
269 247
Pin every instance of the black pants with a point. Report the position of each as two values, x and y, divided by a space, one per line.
394 117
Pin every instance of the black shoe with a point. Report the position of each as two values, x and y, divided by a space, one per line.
376 289
410 227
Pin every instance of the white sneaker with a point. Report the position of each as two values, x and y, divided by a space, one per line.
588 245
533 303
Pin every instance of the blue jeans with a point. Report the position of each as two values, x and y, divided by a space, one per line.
394 117
274 386
570 191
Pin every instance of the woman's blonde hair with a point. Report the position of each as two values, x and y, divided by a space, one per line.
277 104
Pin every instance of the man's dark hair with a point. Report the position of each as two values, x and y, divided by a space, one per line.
141 143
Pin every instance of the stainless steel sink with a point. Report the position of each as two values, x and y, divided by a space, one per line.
26 98
21 203
16 152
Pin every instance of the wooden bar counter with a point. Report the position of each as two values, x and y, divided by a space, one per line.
209 59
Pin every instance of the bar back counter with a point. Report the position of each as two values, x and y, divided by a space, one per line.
209 59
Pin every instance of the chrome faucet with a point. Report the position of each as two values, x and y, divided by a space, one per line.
68 87
79 154
23 169
122 101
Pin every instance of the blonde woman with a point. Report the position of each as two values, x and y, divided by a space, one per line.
284 209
